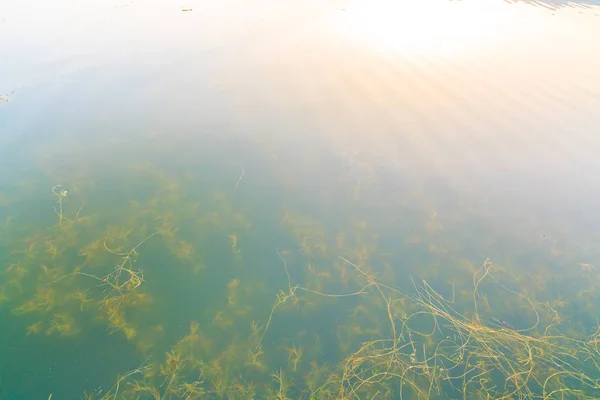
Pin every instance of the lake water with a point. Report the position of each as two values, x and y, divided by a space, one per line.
299 200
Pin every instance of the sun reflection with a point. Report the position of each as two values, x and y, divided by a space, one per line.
423 25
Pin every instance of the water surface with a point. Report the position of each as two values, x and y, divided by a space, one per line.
299 200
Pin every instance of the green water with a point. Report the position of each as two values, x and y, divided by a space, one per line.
208 280
299 200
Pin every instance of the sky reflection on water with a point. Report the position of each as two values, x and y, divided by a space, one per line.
482 94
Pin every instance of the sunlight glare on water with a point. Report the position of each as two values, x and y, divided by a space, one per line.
424 26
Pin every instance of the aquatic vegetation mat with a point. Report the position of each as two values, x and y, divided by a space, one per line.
333 314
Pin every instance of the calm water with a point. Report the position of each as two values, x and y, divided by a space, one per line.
351 200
